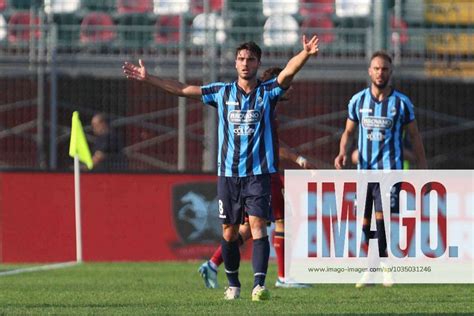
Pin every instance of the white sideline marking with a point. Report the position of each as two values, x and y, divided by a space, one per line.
40 268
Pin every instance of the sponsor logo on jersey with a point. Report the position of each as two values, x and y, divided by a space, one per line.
244 130
375 136
232 103
377 122
244 116
365 111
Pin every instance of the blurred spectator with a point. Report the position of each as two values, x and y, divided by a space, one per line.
107 149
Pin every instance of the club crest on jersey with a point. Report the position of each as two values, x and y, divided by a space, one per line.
377 122
393 111
244 116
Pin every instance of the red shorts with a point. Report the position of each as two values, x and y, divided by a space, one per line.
278 202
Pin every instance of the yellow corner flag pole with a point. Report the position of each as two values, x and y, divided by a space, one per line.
79 149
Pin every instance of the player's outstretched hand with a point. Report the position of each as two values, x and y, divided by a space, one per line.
340 161
311 46
132 71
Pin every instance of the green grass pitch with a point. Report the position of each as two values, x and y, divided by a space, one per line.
176 288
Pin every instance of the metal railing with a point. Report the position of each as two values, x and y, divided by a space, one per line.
58 66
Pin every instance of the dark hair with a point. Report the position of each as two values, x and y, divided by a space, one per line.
382 54
270 73
250 46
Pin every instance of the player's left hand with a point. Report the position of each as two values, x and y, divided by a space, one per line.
311 46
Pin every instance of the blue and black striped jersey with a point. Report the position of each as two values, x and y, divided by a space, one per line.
380 128
246 128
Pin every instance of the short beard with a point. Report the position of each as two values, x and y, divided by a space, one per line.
382 85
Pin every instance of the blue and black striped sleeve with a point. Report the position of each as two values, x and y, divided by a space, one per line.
352 109
273 89
210 93
408 111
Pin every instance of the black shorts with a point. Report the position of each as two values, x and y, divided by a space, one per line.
373 200
240 195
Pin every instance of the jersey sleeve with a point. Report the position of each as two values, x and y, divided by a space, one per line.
352 109
210 93
408 111
273 89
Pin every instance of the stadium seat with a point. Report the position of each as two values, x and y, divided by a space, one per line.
280 30
400 27
134 6
167 7
3 5
353 8
322 25
3 28
25 4
99 5
135 29
61 6
214 23
246 20
96 28
280 7
19 27
167 29
316 7
198 6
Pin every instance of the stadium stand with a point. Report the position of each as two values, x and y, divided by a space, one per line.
166 7
97 28
19 27
3 28
322 25
246 20
317 17
432 39
61 6
167 29
205 25
135 29
135 20
280 7
25 4
107 6
198 6
134 6
281 30
310 7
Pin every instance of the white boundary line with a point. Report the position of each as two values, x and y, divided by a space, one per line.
40 268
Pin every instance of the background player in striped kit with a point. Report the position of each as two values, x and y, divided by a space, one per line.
208 270
246 152
382 114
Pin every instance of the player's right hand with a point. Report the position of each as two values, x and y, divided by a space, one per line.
132 71
340 161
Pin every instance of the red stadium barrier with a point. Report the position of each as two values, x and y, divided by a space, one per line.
125 217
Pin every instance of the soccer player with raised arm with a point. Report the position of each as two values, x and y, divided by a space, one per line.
381 114
208 269
246 151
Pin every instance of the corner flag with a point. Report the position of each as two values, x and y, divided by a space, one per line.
78 145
